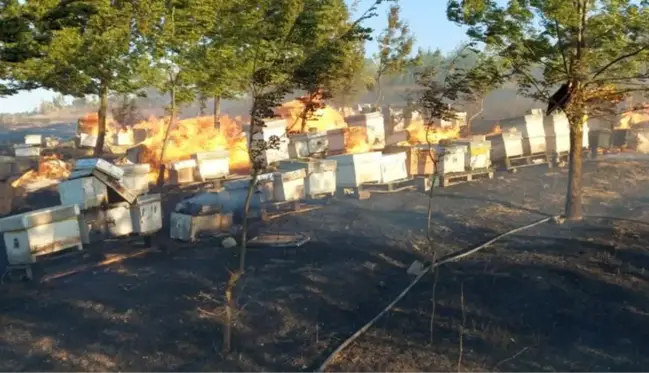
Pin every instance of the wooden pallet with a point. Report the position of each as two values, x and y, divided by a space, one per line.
281 207
464 177
514 163
392 186
320 196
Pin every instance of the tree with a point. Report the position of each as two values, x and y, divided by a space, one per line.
395 50
22 36
278 49
174 28
596 50
217 76
93 50
333 62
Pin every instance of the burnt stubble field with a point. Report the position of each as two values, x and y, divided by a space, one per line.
555 297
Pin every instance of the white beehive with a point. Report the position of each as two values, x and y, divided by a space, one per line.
556 124
308 144
450 158
136 177
558 144
393 167
101 165
375 127
478 153
336 141
320 174
124 138
187 227
534 145
530 125
40 232
118 220
274 128
24 150
33 140
352 170
87 141
146 214
87 192
505 145
92 225
289 186
182 172
212 165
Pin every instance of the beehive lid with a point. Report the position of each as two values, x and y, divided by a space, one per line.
290 175
275 123
116 191
451 149
101 165
38 217
217 154
22 146
394 157
148 198
311 165
358 157
189 163
136 169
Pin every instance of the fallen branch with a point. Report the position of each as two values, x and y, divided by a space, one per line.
446 259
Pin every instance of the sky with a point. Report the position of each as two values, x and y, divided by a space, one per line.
427 20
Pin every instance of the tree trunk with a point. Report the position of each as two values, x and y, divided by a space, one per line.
217 111
172 120
102 114
573 199
475 115
230 305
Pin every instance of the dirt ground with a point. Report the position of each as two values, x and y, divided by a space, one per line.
556 297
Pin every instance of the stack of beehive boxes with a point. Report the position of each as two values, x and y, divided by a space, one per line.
319 175
111 205
531 128
374 125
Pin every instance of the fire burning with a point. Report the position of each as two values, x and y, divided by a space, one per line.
50 167
323 119
356 140
419 133
632 118
191 136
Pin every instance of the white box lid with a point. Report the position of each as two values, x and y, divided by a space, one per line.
217 154
38 217
188 163
138 168
148 198
101 165
290 175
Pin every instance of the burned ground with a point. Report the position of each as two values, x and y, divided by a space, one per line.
568 297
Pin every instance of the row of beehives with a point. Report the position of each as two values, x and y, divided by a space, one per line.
98 201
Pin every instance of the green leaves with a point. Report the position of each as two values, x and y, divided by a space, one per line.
594 43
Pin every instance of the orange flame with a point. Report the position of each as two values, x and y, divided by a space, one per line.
418 133
191 136
50 167
323 119
632 118
356 140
